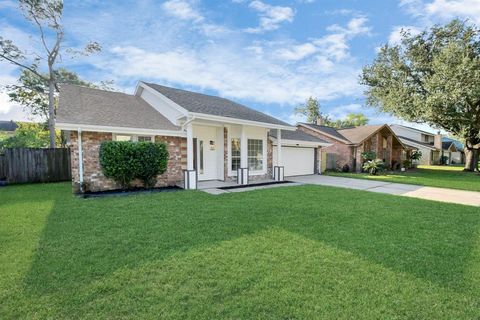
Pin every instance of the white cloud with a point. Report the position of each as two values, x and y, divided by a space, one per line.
297 52
225 71
430 12
182 9
454 8
270 16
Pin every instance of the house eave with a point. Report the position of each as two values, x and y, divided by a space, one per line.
209 117
125 130
289 142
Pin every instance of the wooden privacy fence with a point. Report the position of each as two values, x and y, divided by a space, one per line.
24 165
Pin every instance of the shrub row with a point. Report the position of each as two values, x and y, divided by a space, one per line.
124 161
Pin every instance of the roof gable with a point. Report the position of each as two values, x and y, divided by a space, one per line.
211 105
358 134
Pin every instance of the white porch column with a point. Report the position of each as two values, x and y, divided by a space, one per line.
279 147
242 173
190 175
189 147
278 170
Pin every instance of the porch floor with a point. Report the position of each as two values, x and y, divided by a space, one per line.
214 186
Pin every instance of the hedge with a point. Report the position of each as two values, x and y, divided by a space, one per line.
124 161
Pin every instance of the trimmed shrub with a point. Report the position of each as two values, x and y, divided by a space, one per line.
152 159
124 161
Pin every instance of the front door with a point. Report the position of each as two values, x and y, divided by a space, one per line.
206 156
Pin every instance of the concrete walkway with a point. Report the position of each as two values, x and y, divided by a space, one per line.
430 193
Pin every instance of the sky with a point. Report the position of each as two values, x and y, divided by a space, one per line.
269 55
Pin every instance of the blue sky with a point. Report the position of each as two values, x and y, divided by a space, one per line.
269 55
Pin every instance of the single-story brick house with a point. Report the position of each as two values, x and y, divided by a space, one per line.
348 144
208 137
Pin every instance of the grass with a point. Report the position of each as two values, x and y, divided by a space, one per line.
282 253
431 176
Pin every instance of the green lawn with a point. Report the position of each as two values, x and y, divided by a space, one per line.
432 176
282 253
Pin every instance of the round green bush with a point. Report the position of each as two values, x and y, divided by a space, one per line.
124 161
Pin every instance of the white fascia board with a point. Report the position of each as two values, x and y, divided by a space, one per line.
241 121
299 143
126 130
169 102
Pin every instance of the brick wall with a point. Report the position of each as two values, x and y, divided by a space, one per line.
94 180
343 151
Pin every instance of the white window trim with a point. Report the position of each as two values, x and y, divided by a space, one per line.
134 136
265 154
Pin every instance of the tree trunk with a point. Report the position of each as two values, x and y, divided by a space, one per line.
51 109
471 158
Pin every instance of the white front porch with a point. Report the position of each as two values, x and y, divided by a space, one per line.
217 151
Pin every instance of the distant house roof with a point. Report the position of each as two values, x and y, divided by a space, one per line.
409 141
82 105
415 129
297 135
447 145
329 131
457 143
358 134
212 105
8 125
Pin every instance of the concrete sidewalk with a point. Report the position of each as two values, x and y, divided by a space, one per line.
430 193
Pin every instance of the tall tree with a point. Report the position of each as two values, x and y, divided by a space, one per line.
46 16
311 110
434 78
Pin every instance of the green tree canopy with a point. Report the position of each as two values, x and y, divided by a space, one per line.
351 120
310 109
434 78
28 135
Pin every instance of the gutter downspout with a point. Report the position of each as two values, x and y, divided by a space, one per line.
80 160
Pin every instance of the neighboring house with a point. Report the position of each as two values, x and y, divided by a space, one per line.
208 137
348 144
432 146
8 127
456 155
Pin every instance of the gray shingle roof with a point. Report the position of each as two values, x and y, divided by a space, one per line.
325 129
82 105
8 126
212 105
407 140
297 135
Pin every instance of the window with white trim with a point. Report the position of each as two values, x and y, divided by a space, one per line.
235 152
123 137
132 137
144 139
255 154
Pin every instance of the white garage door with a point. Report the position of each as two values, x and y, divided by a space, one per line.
296 160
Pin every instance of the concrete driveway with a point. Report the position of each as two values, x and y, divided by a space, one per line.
430 193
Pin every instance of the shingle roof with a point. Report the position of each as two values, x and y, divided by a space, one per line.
82 105
8 126
446 145
358 134
212 105
325 129
427 145
297 135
